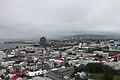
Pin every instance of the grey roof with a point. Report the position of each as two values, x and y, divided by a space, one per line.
59 74
65 69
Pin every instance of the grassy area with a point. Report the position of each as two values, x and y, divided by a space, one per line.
117 77
97 76
100 76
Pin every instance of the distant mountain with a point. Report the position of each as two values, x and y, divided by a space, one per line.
89 36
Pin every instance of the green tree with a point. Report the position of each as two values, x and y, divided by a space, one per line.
80 68
94 68
99 68
67 65
108 70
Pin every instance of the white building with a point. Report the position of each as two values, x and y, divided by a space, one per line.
101 53
2 55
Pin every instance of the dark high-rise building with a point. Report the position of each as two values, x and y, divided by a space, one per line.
43 41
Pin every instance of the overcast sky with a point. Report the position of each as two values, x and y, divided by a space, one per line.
32 18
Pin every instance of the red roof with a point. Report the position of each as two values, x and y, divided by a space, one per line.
14 78
44 59
22 72
62 63
102 59
56 58
118 58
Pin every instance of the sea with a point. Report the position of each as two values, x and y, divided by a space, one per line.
7 46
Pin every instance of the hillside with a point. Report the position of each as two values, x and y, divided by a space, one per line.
89 36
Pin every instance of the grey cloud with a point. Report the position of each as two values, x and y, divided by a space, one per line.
28 18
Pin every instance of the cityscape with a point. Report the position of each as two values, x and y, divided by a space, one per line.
60 59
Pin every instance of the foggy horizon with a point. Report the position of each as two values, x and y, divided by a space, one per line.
54 18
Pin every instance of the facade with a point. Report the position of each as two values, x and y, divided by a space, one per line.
43 41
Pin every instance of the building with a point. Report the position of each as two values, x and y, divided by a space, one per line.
43 41
61 74
2 55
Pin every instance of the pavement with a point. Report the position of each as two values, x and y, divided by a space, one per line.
40 78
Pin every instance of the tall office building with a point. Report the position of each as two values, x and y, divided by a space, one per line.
43 41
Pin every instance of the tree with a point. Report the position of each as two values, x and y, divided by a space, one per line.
80 68
108 70
94 68
67 65
99 68
2 76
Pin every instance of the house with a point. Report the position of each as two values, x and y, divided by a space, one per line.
61 74
23 72
15 78
2 71
2 54
36 73
82 75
